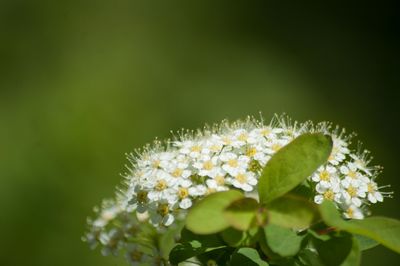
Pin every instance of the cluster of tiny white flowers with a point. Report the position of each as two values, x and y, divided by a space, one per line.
165 179
117 229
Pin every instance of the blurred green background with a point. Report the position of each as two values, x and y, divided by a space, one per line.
82 83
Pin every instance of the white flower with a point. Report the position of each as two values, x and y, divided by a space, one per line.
179 170
139 200
361 163
243 180
191 148
135 256
163 189
265 133
183 193
234 163
353 194
352 176
217 182
161 214
373 194
257 152
275 145
198 190
111 241
353 212
207 165
339 150
214 144
325 175
239 138
331 193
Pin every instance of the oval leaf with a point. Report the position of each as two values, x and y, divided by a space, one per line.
342 250
206 217
365 243
236 238
241 214
292 211
282 241
292 164
247 256
381 229
185 251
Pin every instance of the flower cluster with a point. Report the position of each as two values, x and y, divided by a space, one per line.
165 179
116 229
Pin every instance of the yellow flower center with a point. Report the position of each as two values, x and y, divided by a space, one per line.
371 188
161 185
324 175
220 180
210 191
276 147
251 152
195 148
177 172
183 192
243 137
156 163
163 209
329 195
233 163
350 212
241 178
208 165
352 191
142 196
352 174
265 132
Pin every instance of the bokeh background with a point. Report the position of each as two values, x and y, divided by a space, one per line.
84 82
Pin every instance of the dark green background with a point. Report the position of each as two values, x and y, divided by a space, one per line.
84 82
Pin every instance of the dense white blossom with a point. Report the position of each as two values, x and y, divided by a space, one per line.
165 180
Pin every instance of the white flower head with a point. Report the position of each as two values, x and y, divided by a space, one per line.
166 179
326 176
352 176
233 163
353 212
373 194
331 193
207 165
244 180
339 150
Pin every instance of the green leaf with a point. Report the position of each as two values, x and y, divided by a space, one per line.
282 241
340 250
206 217
292 164
237 238
309 257
292 211
241 214
212 240
247 256
381 229
187 250
216 257
365 243
193 245
166 241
